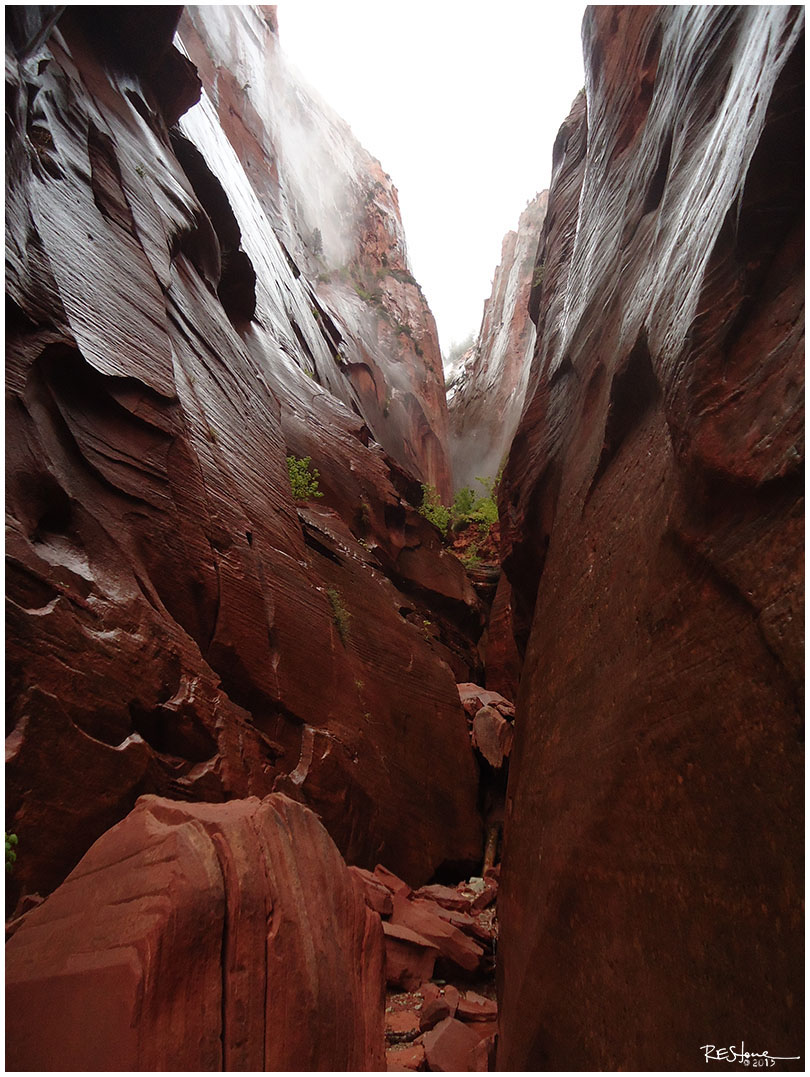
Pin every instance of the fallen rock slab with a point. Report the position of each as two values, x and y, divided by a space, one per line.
446 896
431 991
473 1007
402 1027
376 895
404 1059
449 1046
392 882
422 917
483 1055
493 736
433 1012
409 956
473 697
184 940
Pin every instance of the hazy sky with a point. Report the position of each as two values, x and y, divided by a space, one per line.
461 103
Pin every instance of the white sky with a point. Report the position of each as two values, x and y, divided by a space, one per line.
461 103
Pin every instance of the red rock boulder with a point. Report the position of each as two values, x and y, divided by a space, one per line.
409 956
449 1046
200 937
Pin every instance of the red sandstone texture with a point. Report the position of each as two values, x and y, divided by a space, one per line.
371 339
485 396
178 624
201 937
652 521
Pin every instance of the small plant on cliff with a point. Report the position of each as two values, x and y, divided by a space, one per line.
11 855
471 558
340 615
304 482
433 509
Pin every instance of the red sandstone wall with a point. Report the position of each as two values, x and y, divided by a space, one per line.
177 624
486 397
652 514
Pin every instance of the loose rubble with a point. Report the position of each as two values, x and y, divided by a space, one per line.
440 942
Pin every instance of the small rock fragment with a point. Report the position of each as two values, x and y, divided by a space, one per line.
475 1007
433 1012
402 1059
402 1027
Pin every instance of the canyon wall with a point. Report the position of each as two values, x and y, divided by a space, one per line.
652 521
485 394
321 217
179 624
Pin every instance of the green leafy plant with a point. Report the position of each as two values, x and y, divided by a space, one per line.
471 558
433 509
304 482
463 503
340 615
469 508
11 855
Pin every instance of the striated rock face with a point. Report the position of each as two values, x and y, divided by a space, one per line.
201 937
356 321
178 625
652 522
485 396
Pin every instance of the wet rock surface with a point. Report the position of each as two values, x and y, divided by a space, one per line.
651 514
446 1021
201 937
485 395
178 623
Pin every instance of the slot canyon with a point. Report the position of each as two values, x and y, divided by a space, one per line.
367 712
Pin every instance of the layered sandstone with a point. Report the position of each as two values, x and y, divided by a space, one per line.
201 937
652 519
485 395
359 324
178 624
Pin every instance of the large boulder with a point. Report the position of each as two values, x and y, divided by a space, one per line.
652 516
201 937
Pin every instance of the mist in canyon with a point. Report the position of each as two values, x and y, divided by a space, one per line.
369 709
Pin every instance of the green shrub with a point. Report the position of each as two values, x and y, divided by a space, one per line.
463 503
470 509
340 615
11 855
484 513
304 482
471 558
433 509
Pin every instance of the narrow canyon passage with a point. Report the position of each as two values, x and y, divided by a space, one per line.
367 712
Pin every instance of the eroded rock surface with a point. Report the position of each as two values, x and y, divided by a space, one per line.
356 320
652 519
178 624
201 937
485 396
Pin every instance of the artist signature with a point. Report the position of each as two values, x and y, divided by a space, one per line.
756 1059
